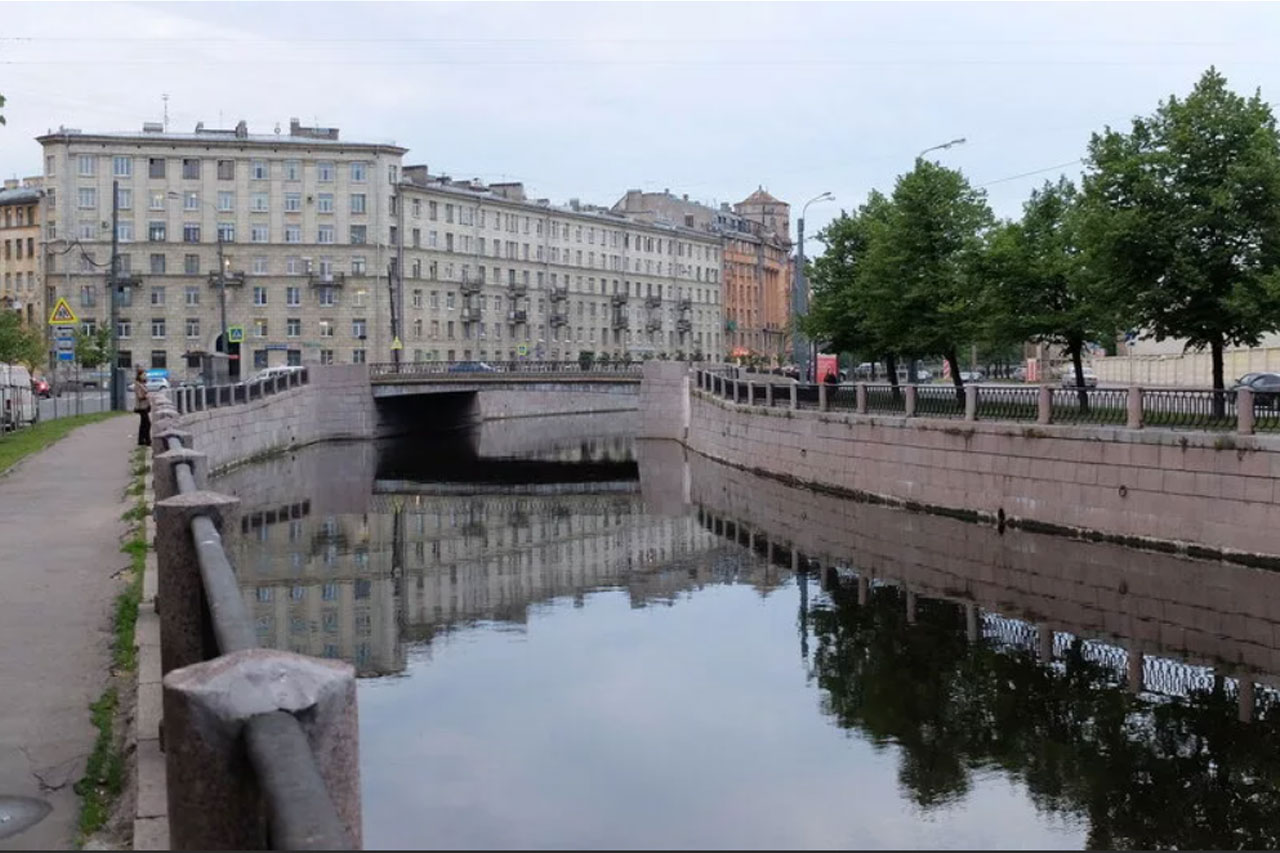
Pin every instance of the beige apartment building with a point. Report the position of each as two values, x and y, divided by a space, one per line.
304 222
491 274
313 232
21 281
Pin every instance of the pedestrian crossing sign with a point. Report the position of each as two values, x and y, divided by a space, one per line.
62 314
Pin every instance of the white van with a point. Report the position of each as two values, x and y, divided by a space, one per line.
17 402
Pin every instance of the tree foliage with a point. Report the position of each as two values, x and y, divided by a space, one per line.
1184 212
93 350
19 344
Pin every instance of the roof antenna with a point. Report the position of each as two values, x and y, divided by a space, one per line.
165 98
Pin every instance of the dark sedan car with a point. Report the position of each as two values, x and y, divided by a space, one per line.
471 367
1265 387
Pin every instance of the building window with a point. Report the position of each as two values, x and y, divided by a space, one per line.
259 265
326 357
324 203
190 232
292 202
260 361
227 232
124 328
259 295
357 356
293 233
326 328
432 212
156 232
190 200
192 295
293 327
226 170
159 359
293 357
157 264
359 235
327 297
88 197
258 170
324 171
359 328
324 234
124 199
293 296
357 173
88 296
259 202
258 233
193 327
357 203
260 327
155 167
190 169
157 201
226 201
124 233
87 163
157 295
157 327
293 170
417 299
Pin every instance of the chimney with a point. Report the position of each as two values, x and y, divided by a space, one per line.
294 127
685 197
199 127
242 129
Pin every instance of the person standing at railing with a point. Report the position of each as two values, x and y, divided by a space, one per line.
142 405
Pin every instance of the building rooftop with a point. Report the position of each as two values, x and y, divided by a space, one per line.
24 195
761 197
239 135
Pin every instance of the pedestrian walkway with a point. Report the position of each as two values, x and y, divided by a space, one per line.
60 532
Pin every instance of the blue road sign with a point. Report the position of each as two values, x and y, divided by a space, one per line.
65 355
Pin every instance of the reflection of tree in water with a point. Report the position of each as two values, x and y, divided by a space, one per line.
1145 772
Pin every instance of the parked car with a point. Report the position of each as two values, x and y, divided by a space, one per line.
1019 374
18 406
471 367
1265 388
279 370
1069 378
972 376
41 388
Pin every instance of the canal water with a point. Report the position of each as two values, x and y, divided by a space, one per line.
567 639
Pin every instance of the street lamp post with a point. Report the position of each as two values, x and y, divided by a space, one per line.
959 141
800 293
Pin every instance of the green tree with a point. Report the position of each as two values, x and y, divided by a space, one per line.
93 350
1039 284
1184 211
920 263
19 344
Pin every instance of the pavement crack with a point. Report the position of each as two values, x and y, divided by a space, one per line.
45 777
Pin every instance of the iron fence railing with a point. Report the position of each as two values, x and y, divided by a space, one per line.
1008 402
939 401
1089 406
198 398
842 397
472 369
806 396
886 399
1188 408
1266 412
758 394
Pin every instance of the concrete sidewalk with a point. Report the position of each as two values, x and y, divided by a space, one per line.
60 532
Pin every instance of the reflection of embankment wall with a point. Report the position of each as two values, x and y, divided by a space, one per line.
337 403
497 405
1211 612
1211 490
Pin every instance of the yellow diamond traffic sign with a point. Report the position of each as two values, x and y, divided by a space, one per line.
62 314
395 343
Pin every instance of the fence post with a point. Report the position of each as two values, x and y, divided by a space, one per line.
1044 405
795 397
971 402
160 440
1244 411
736 384
822 396
1134 419
861 407
909 400
768 394
165 469
751 393
215 798
186 634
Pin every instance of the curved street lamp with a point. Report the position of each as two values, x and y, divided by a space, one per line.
960 141
800 287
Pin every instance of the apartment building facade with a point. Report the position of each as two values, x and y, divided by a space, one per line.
300 227
21 269
756 263
491 274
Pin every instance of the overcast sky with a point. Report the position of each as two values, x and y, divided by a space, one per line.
587 100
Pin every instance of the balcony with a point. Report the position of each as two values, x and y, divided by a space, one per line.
517 316
653 326
618 299
684 325
686 304
653 302
470 315
517 289
559 292
326 279
471 285
559 318
233 279
621 320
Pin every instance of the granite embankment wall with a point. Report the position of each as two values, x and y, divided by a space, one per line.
337 403
537 402
1156 603
1212 493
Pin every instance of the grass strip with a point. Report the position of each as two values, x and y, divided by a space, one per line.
104 775
18 445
